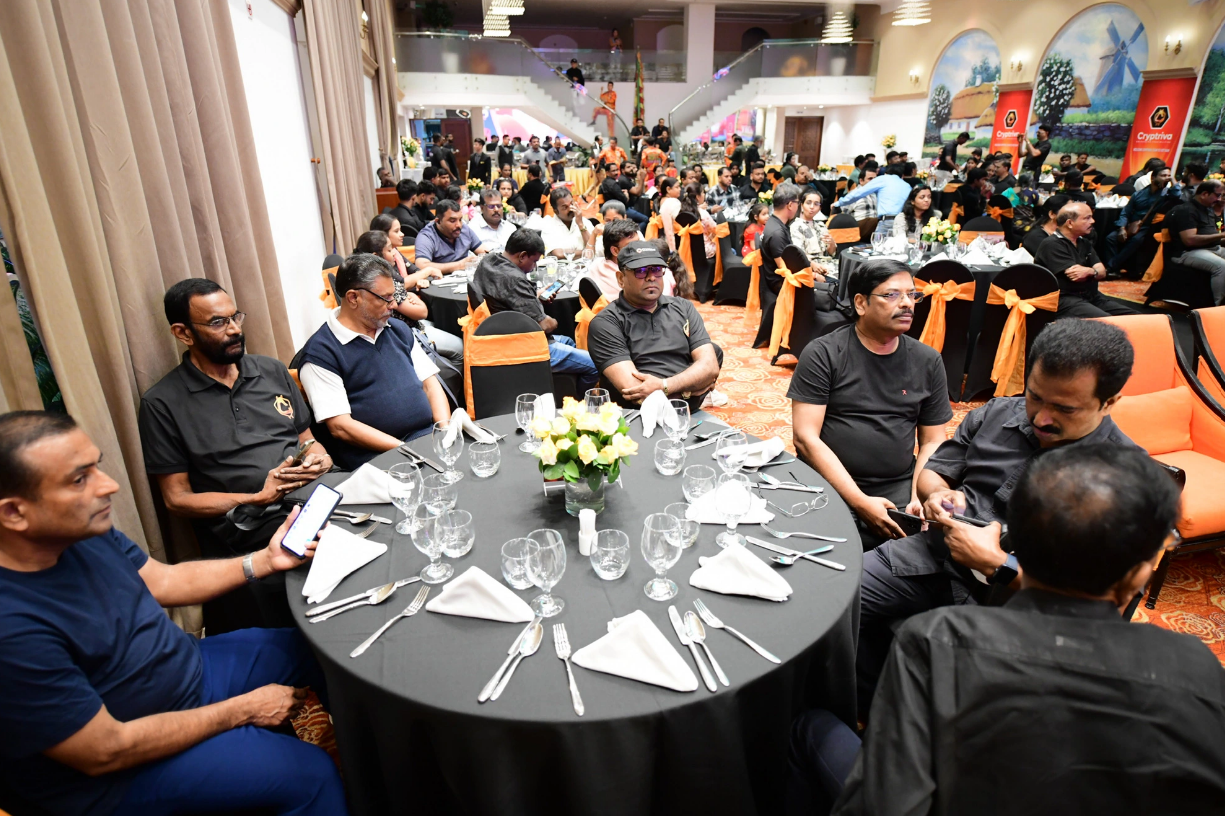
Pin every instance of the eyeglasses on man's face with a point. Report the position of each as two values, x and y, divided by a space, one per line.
222 323
894 296
649 271
390 301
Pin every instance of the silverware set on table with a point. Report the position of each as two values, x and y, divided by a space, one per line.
371 597
691 631
525 644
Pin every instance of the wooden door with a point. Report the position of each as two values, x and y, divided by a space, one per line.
802 135
461 129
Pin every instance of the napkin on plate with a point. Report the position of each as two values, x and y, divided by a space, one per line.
339 553
474 594
760 453
736 571
706 510
657 410
635 648
461 420
367 485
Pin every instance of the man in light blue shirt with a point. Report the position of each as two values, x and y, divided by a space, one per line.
890 190
446 241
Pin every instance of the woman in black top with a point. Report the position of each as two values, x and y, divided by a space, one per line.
509 195
1039 232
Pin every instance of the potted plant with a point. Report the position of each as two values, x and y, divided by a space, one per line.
586 450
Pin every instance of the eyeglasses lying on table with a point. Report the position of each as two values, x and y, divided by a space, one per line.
800 508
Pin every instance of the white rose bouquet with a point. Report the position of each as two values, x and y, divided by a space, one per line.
579 445
936 231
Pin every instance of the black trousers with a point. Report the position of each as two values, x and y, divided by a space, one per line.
1094 305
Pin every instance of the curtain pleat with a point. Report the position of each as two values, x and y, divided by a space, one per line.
386 91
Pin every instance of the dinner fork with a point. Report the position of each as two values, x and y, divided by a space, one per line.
781 534
705 614
366 532
561 642
410 610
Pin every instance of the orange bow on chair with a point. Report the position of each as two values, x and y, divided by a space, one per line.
845 235
1157 268
582 320
752 301
784 307
327 296
1008 374
955 212
684 246
722 230
999 213
940 294
653 227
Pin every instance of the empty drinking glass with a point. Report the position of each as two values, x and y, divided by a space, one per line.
404 485
546 561
458 534
596 398
438 494
730 450
697 481
449 446
525 412
610 554
878 240
484 458
686 529
735 500
661 548
681 428
427 539
514 563
669 456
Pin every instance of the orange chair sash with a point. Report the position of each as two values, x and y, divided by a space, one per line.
470 322
653 227
952 187
501 349
327 296
955 211
968 236
999 212
684 246
940 294
845 235
784 307
752 301
545 206
582 320
1157 268
723 230
1008 373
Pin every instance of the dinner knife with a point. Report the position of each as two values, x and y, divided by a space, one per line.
510 655
420 459
774 548
790 486
679 628
712 440
319 610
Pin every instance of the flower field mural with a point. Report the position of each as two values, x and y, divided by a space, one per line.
963 92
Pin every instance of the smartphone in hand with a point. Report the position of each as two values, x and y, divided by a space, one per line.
311 519
299 455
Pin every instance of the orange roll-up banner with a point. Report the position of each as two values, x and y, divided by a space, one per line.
1011 117
1160 116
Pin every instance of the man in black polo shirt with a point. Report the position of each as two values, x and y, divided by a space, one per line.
219 433
405 212
645 342
443 157
860 395
1195 239
534 190
1070 255
755 182
948 154
1035 154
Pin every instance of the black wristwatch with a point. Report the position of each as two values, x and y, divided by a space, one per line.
1006 572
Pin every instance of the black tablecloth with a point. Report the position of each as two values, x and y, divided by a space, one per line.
446 307
413 739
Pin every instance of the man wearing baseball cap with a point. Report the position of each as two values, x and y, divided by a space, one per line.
644 341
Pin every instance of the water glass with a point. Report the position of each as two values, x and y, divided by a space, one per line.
697 481
484 458
661 548
449 446
546 561
686 529
596 399
730 450
514 563
404 485
681 428
458 534
438 494
669 456
735 497
610 554
427 539
525 412
878 240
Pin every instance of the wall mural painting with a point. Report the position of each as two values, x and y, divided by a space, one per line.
1205 140
964 89
1089 84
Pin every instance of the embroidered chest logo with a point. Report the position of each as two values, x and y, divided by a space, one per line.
283 406
686 328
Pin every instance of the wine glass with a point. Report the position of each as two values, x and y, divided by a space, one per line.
449 445
697 481
588 257
681 430
546 562
525 412
878 239
427 538
730 450
596 398
661 547
404 485
735 500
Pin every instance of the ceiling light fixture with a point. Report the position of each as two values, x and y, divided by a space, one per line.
837 29
496 26
505 8
912 13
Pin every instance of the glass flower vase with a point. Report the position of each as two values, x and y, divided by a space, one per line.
581 495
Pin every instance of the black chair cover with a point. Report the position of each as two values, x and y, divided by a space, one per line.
1030 281
956 321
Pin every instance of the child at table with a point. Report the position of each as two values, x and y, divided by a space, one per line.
759 214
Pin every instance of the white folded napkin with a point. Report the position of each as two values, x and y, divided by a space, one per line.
546 407
939 256
657 410
760 453
736 571
1019 255
635 648
367 485
461 420
706 510
475 594
976 257
339 553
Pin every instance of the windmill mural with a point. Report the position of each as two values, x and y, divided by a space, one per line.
1117 61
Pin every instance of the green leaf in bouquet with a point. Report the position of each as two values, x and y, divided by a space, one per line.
553 472
570 469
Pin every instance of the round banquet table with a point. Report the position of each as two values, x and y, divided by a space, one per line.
446 307
413 739
580 178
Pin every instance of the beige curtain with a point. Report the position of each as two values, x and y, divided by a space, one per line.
386 93
333 38
127 163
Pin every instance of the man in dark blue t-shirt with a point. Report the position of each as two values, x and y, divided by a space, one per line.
105 705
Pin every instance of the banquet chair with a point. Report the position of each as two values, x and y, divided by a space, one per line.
1030 282
803 319
507 355
844 229
734 285
694 255
1176 284
1167 411
1148 260
593 302
983 225
867 227
1000 208
953 342
1208 330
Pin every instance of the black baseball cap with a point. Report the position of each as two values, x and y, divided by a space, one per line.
637 254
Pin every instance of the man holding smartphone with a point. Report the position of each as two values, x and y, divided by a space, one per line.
565 232
106 705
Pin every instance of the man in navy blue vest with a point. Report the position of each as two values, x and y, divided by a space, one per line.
369 383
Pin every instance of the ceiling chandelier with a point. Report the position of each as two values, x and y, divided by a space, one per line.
912 13
837 29
497 14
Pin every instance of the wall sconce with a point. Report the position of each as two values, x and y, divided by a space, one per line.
1015 65
914 77
1177 45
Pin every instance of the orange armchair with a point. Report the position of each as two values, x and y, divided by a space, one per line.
1209 328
